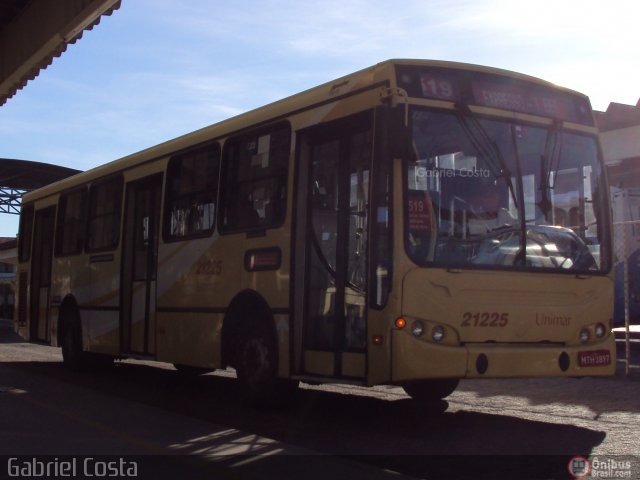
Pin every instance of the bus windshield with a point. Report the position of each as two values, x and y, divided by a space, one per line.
483 192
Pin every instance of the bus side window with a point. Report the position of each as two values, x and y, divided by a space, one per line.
255 179
105 202
192 192
26 233
71 227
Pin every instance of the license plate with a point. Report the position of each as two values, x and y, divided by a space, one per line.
594 358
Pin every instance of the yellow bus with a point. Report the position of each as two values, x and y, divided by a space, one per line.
412 224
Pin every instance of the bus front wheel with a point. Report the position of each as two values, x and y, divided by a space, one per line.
431 390
257 371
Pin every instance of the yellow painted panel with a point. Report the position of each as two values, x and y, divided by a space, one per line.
189 338
353 364
319 363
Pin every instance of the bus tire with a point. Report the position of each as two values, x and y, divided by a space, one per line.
432 390
72 355
257 371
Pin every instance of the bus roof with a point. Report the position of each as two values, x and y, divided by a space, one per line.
381 73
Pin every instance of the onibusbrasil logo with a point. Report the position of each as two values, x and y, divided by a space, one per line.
601 467
579 467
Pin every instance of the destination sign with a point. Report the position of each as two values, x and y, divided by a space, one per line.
521 99
495 91
443 87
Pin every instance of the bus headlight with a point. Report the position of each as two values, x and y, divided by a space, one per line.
584 336
437 334
600 330
417 328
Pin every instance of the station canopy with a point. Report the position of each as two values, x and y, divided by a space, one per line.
34 32
18 177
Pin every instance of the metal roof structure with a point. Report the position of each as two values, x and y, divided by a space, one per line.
18 177
34 32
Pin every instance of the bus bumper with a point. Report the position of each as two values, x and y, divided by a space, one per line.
414 359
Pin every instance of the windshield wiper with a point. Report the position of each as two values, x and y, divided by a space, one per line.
521 257
485 146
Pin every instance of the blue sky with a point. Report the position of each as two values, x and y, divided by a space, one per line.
157 69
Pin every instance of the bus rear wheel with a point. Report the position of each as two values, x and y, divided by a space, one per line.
73 357
72 354
431 390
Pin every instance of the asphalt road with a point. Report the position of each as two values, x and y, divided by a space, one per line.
198 428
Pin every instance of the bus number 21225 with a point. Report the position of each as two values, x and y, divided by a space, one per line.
485 319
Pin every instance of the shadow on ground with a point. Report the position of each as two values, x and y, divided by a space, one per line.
395 433
400 435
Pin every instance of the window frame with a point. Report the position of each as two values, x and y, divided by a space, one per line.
229 180
169 198
62 223
605 220
119 179
24 250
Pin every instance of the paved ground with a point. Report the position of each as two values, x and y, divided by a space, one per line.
525 428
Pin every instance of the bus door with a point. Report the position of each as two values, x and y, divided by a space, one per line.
139 265
332 233
41 274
